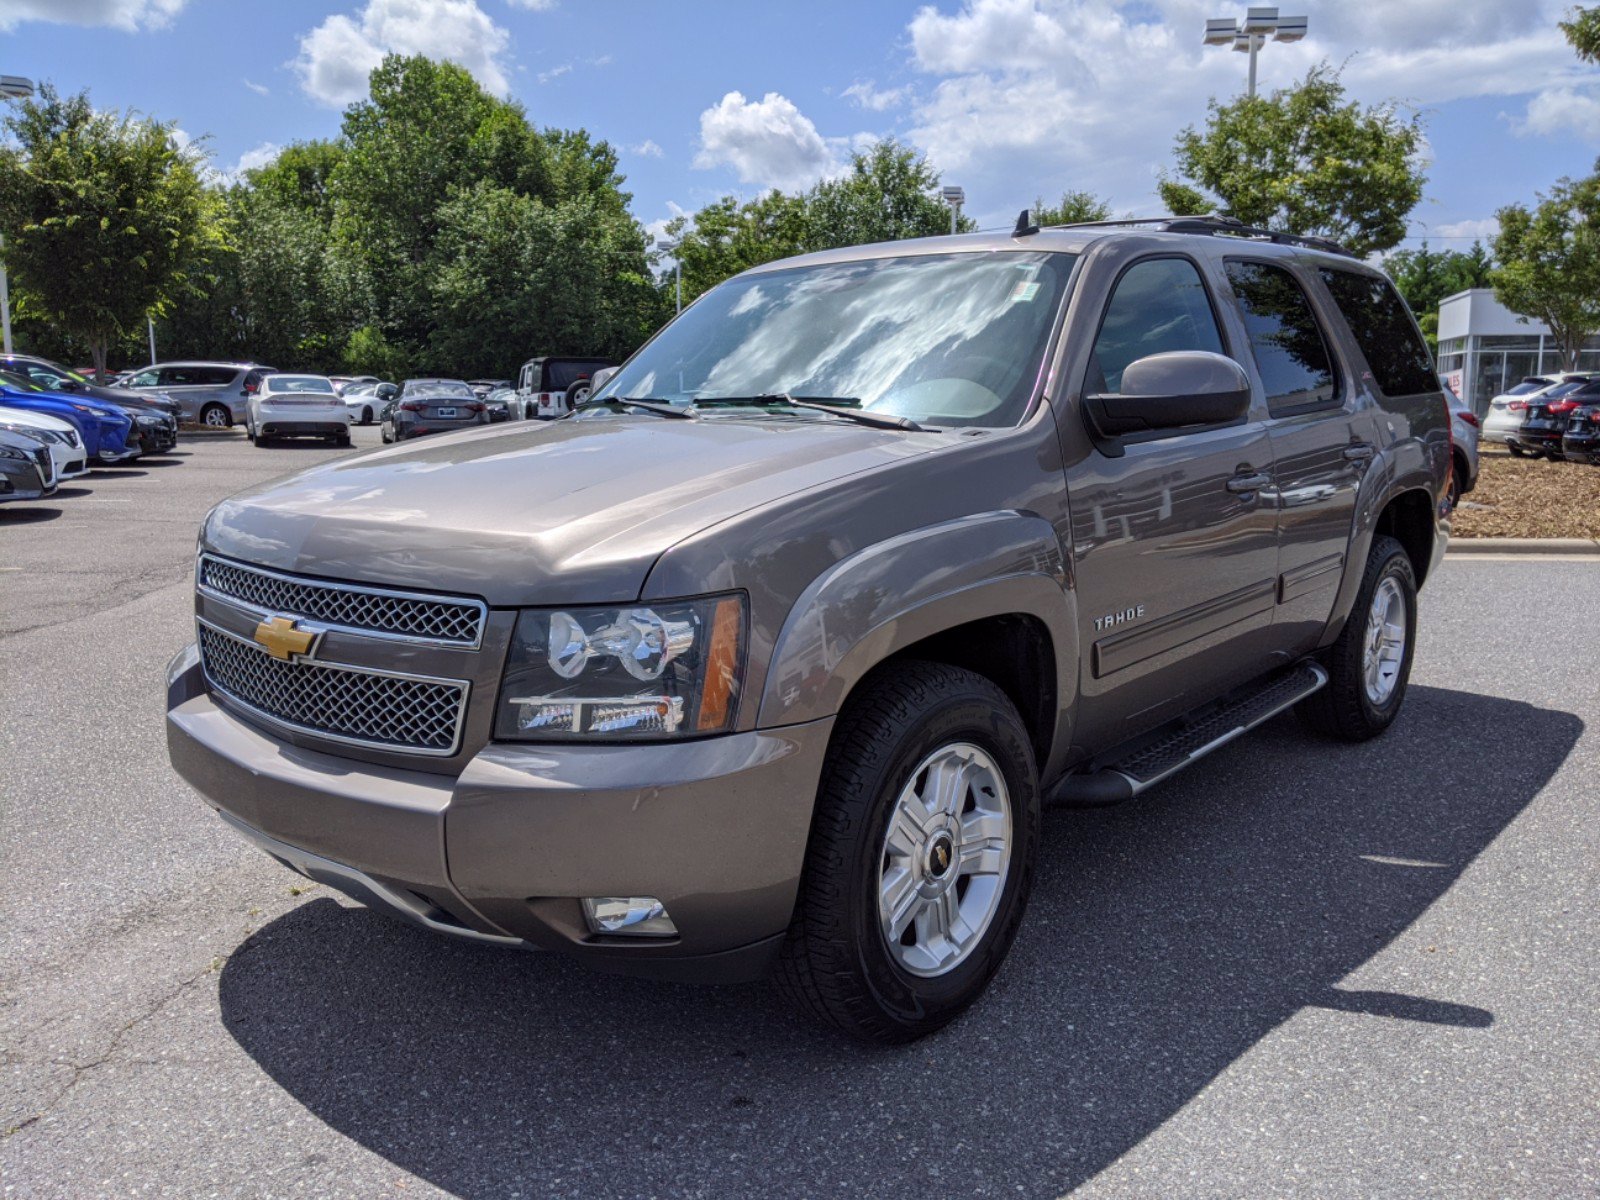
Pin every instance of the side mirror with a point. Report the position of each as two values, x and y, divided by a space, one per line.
601 377
1172 390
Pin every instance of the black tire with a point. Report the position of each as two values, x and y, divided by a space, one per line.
1343 709
1516 450
1458 472
366 415
341 439
216 416
835 962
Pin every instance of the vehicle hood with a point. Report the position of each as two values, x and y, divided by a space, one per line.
57 399
34 420
574 511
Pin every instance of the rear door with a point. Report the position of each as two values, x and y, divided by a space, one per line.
1319 453
1176 552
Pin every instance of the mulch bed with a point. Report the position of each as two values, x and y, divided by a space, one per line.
1529 498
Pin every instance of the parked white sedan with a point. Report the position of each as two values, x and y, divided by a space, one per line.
66 447
297 406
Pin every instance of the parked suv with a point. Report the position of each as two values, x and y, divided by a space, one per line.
768 658
208 393
552 387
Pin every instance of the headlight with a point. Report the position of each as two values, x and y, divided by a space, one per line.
626 672
12 452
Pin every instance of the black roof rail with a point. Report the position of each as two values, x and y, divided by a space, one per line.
1217 226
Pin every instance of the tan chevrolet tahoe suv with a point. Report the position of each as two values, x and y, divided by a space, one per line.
768 657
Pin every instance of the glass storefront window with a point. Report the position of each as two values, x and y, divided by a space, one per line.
1487 378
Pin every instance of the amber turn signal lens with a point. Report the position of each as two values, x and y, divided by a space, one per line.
722 666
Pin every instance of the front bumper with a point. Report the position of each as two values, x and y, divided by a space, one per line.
716 829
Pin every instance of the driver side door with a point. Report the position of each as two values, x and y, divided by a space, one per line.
1174 535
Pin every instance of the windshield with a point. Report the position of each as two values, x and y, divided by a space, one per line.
1529 385
949 339
1563 389
298 383
427 389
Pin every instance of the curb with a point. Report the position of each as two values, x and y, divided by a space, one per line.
1565 547
188 430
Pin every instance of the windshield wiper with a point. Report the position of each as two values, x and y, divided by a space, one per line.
660 407
841 406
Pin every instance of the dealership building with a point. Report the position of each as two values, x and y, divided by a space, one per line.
1485 348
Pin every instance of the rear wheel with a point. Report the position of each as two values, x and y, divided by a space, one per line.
366 415
216 416
1458 473
921 854
1370 663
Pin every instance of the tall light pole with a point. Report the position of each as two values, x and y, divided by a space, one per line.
677 267
12 87
955 198
1249 35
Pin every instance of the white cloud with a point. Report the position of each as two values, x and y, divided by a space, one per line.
129 15
533 5
1481 228
259 157
555 72
1030 97
1563 110
875 99
647 149
768 142
259 89
337 56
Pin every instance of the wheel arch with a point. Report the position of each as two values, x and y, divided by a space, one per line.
989 593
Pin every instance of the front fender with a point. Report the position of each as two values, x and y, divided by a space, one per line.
888 596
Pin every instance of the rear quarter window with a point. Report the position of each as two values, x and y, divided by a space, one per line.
1383 328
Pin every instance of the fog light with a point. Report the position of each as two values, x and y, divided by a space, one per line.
628 916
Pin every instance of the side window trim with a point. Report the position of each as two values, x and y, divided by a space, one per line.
1342 391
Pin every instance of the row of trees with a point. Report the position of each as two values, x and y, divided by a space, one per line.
442 232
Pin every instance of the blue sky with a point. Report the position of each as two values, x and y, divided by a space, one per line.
1012 99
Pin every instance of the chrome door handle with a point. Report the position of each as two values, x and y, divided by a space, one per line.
1241 484
1359 452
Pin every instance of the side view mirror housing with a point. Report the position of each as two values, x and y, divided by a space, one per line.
1172 390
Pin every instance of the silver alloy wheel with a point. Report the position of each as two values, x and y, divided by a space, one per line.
1385 646
945 856
216 417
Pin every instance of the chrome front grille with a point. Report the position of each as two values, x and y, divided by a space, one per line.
348 704
380 611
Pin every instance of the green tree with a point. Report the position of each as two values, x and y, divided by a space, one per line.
1303 161
1425 277
518 277
1072 208
106 217
889 193
1583 30
726 237
1550 262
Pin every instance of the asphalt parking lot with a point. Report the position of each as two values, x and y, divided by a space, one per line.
1296 969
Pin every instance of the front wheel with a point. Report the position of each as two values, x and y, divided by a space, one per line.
921 854
1369 664
366 416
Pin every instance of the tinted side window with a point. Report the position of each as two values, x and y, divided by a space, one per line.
1291 352
1383 328
143 379
559 376
1158 305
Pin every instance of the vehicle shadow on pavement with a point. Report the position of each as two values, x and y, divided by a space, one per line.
1165 938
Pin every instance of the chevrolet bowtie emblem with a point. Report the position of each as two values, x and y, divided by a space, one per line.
283 639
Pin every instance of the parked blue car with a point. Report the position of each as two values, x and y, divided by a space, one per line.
108 432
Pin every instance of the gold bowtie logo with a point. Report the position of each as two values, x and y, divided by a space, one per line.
283 639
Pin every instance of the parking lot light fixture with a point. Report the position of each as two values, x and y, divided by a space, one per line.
12 87
955 198
1249 35
677 267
